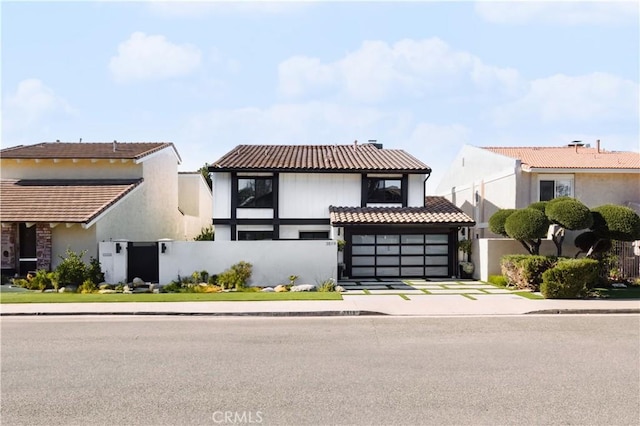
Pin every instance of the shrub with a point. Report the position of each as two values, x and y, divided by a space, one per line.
236 276
526 224
525 271
206 234
173 287
21 282
569 213
498 280
94 271
616 222
87 286
40 281
327 285
72 269
497 220
569 279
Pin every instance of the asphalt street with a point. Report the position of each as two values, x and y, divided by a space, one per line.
506 370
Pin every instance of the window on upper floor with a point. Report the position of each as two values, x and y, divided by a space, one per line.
554 187
380 190
255 192
255 235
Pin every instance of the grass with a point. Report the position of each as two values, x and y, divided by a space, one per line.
632 292
528 295
468 296
404 296
38 297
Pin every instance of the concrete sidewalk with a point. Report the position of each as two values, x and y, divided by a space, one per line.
352 305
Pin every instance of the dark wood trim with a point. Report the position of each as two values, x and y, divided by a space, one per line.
257 221
404 188
364 182
234 194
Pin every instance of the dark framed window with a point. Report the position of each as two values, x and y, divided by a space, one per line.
381 190
255 192
255 235
550 189
314 235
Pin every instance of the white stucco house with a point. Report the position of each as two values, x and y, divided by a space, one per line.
371 197
482 180
58 195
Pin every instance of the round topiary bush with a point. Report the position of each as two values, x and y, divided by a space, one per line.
569 279
526 224
497 220
570 214
616 222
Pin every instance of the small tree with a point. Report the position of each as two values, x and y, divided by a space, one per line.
204 170
610 222
206 234
72 270
569 214
528 226
497 220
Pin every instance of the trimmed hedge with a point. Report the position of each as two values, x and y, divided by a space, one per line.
527 224
525 271
569 279
570 214
497 220
616 222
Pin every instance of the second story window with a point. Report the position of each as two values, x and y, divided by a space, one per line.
554 188
384 190
255 192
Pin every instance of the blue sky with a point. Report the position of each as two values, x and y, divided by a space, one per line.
426 77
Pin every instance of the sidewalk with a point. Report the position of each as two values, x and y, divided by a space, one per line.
352 305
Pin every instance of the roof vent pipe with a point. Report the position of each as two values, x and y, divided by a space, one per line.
115 142
355 145
598 145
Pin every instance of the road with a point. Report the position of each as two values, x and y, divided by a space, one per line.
358 370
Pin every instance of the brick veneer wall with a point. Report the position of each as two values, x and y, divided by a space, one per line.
8 243
43 246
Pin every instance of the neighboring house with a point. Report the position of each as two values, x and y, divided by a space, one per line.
73 195
482 180
370 197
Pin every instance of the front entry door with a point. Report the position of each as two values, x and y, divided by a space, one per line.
28 257
143 262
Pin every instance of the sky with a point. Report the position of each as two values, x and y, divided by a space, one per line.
426 77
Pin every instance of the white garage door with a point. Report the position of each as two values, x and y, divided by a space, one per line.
399 255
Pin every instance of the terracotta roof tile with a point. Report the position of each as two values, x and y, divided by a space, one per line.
319 158
124 150
438 210
569 157
59 201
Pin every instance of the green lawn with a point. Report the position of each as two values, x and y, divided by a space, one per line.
37 297
619 293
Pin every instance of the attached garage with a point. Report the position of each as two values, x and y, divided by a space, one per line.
401 242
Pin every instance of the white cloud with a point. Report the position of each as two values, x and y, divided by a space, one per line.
152 57
558 12
31 102
562 98
377 71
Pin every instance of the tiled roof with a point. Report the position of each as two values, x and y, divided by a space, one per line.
366 157
570 157
438 210
59 201
123 150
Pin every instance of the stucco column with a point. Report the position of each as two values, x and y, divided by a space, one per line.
43 246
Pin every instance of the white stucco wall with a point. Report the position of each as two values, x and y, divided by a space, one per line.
309 195
70 169
221 195
416 191
273 261
75 238
196 203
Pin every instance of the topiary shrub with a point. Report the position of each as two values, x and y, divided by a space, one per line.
525 271
497 220
570 214
569 279
528 226
616 222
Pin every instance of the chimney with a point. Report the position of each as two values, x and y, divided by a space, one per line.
355 145
115 143
598 145
80 140
375 143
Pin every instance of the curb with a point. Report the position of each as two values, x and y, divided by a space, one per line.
204 314
584 311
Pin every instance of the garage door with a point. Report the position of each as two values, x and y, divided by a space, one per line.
399 255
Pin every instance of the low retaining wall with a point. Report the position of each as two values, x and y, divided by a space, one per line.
273 261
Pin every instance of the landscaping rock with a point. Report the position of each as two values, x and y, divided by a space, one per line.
156 291
138 281
126 288
107 291
152 287
340 289
144 289
303 287
127 292
105 286
268 290
280 289
61 290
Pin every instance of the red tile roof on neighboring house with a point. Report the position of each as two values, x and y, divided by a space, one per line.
570 157
84 150
60 201
438 210
366 157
